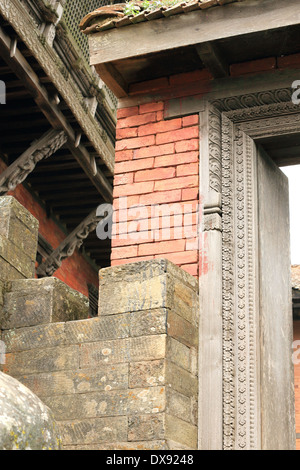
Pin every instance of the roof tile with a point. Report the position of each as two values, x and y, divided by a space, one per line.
112 16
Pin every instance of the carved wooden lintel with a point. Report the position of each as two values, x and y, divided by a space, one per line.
42 148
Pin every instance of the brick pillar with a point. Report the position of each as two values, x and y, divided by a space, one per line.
156 178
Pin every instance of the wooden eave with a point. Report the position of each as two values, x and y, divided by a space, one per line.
213 38
79 176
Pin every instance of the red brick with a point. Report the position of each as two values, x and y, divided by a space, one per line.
190 120
289 61
137 120
188 169
189 77
130 260
125 202
192 269
160 116
124 178
155 174
134 165
176 159
126 133
176 183
126 112
158 127
190 194
135 143
124 252
154 151
260 65
156 248
151 107
187 145
162 197
132 189
183 257
180 134
123 155
149 85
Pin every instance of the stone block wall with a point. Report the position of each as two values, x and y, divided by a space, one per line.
126 379
18 243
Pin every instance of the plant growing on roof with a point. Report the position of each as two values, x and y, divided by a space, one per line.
133 8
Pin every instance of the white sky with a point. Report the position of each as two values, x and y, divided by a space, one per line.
293 174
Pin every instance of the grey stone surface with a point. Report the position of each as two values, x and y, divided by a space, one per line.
25 422
32 302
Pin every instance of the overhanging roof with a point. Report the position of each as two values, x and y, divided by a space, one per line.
180 39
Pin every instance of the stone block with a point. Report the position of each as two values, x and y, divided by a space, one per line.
146 427
40 301
139 445
104 352
132 288
19 226
147 373
151 400
94 431
180 380
147 348
179 405
88 405
179 353
16 258
40 336
180 432
105 378
98 329
42 360
182 330
149 322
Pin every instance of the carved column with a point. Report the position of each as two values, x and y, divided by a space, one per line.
210 282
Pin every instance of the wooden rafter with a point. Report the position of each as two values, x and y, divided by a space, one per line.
42 148
212 59
30 80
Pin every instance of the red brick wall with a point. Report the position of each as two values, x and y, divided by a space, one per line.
75 271
157 163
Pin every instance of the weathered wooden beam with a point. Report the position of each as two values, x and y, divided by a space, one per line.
232 20
113 79
73 241
42 148
26 74
212 59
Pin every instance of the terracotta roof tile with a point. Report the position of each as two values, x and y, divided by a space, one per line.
112 16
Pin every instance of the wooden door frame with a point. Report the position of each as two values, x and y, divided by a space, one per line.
229 370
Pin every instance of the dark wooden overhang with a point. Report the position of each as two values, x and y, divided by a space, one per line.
40 96
184 40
